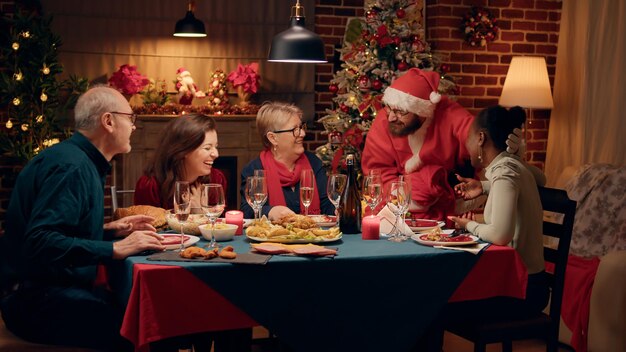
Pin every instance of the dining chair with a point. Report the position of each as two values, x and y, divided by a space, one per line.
114 196
558 222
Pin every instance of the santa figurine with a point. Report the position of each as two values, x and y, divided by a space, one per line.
187 90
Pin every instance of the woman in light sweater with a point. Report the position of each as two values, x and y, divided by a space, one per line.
513 213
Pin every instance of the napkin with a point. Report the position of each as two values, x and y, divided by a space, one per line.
474 249
388 221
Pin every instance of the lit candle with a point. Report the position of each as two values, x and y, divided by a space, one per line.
370 227
235 217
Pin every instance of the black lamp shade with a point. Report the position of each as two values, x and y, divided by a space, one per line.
297 44
189 26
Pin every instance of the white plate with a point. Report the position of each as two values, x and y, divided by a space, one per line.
247 222
324 220
190 241
297 240
422 227
417 238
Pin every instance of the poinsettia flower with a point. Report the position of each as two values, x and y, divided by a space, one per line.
127 80
246 76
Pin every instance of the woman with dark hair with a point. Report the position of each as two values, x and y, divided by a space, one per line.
513 214
186 152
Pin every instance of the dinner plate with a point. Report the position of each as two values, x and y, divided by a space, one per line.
418 225
294 240
170 239
421 239
247 222
324 220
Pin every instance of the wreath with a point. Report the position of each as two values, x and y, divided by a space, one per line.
479 27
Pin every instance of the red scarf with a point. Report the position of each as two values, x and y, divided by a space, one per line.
278 176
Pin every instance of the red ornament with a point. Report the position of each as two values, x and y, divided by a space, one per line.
400 13
371 14
377 84
366 115
344 108
403 66
364 82
397 41
445 68
333 88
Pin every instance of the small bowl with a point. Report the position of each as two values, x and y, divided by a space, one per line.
191 225
222 231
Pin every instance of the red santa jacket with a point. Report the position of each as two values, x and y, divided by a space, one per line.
439 143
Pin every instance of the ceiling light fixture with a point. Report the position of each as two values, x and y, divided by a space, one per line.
190 26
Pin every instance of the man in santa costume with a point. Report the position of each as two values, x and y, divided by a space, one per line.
421 135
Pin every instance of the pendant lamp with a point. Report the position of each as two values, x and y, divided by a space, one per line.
297 44
190 26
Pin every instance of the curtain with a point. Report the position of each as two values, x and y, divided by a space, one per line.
588 122
99 36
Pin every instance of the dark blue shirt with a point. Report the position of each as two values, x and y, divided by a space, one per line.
54 223
292 196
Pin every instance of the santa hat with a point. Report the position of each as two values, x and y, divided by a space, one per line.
415 91
180 70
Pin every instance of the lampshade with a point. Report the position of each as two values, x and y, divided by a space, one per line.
189 26
297 44
527 84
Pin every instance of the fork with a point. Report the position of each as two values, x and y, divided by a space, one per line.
458 232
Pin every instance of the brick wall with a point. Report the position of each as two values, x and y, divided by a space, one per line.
528 27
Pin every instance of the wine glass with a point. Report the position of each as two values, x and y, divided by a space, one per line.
307 188
335 186
212 202
182 207
398 201
256 193
259 172
372 190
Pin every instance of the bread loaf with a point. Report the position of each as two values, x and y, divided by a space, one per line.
157 213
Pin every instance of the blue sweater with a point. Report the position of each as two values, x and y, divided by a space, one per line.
292 196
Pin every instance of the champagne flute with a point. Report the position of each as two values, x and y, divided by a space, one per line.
398 201
182 207
256 193
213 203
307 188
335 187
372 191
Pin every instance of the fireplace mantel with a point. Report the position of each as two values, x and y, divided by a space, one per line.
238 140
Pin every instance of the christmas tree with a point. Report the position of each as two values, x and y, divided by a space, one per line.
34 101
377 49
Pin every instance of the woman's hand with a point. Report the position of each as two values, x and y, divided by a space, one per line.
278 212
125 226
469 188
137 242
460 221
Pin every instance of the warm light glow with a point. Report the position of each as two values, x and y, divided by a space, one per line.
527 84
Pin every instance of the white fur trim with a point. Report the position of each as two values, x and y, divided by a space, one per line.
416 140
400 100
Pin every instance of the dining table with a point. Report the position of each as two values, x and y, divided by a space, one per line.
373 295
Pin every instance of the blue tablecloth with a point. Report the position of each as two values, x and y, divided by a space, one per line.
373 296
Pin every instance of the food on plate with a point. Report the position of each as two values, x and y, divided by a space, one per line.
197 252
300 249
228 252
436 235
322 218
173 239
422 223
158 214
291 227
191 225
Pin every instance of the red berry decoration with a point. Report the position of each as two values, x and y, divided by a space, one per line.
400 13
344 108
377 84
403 66
333 88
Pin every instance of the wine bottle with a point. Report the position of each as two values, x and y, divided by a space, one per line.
350 213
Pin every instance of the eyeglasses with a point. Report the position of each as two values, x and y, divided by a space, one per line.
396 112
296 130
133 116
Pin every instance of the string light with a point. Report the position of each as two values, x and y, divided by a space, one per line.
45 70
18 76
39 118
26 34
9 124
24 127
16 101
43 97
15 46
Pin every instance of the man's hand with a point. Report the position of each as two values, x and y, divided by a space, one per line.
469 188
126 225
137 242
515 144
278 212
